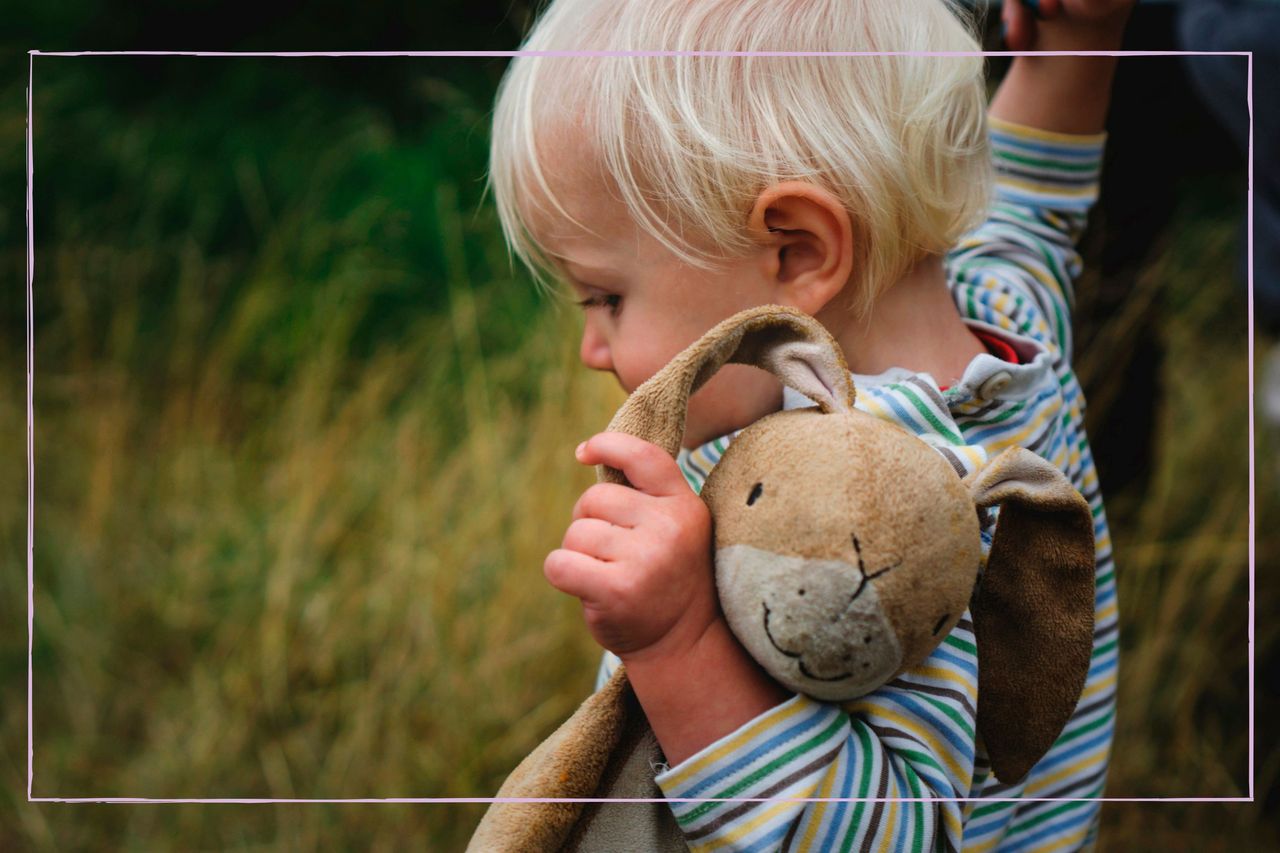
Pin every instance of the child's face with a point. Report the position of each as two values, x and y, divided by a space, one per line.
643 305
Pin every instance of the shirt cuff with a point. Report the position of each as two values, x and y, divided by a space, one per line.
778 754
1043 168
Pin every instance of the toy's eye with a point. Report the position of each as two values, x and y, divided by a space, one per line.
756 491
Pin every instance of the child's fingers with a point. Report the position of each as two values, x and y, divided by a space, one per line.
649 468
579 575
610 502
595 538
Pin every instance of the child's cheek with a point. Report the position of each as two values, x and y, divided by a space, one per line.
734 398
634 365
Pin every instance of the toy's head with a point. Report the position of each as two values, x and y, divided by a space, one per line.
834 596
846 548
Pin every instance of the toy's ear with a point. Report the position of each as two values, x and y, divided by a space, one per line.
784 341
1033 609
568 765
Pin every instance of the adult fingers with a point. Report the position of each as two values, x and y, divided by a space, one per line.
1019 26
595 538
648 467
1041 8
1046 9
579 575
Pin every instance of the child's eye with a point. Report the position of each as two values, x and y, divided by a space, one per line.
607 300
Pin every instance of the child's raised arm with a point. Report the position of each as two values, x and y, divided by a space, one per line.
1062 94
1046 124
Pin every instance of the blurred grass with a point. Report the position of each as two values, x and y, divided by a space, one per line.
294 492
1182 548
1182 542
303 441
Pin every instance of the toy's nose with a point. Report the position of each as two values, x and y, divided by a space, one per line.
869 574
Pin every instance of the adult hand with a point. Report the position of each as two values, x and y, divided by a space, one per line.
1064 24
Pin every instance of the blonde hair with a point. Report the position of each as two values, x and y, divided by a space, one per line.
689 142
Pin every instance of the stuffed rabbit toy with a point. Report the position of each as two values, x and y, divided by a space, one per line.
845 550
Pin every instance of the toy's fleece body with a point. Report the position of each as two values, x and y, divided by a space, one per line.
1011 278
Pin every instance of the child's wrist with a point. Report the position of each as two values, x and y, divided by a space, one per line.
676 660
684 643
696 694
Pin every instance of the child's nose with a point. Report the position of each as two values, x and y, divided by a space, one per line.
595 350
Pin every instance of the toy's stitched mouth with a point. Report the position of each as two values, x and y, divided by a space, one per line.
803 669
769 634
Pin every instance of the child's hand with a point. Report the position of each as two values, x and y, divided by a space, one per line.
640 559
1064 24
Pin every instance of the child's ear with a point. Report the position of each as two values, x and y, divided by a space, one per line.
806 239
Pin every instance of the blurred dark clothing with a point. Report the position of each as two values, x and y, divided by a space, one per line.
1221 82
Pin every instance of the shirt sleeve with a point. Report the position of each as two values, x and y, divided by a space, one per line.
1020 265
912 739
608 663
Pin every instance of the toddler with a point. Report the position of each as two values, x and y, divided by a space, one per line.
671 192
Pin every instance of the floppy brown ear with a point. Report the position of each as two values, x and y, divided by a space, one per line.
1033 609
784 341
569 764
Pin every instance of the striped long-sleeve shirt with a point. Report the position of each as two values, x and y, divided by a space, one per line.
914 738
